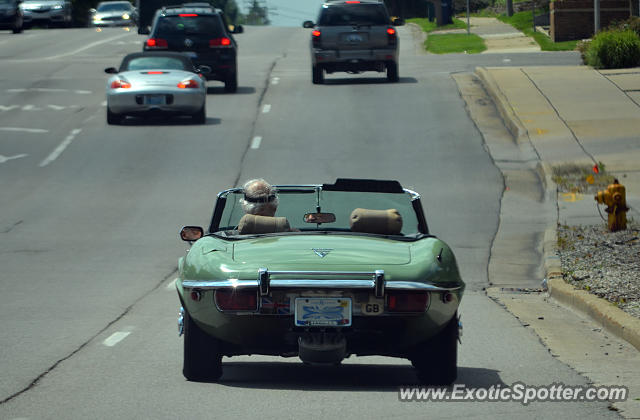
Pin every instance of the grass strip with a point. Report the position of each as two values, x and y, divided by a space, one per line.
454 43
428 26
523 21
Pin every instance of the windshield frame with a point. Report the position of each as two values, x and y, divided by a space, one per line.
214 226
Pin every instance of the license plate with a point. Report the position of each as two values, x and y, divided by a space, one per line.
191 54
154 99
323 312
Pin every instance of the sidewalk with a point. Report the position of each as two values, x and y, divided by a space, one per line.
575 114
499 37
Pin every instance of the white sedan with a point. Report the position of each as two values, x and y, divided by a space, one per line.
152 83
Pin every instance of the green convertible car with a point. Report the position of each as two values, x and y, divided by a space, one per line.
343 269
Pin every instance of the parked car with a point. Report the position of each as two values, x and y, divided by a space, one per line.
114 13
151 83
47 12
343 269
203 33
11 16
354 36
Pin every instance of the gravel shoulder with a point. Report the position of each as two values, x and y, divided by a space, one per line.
606 264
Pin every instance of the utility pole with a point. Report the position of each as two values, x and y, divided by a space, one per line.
509 8
596 16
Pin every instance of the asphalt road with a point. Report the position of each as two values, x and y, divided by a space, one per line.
89 216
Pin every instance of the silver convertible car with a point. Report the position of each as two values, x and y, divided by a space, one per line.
151 83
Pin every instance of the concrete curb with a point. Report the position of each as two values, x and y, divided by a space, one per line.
511 120
600 310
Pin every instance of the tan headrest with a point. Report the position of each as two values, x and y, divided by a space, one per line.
384 222
252 224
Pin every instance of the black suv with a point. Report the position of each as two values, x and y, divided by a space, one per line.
11 15
354 36
201 32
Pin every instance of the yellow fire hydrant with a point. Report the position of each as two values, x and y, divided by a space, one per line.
615 198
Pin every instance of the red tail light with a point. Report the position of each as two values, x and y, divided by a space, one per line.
392 36
120 84
407 302
315 37
157 43
220 42
237 299
155 72
188 84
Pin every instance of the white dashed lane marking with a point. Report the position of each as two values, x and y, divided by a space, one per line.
4 159
115 338
172 285
275 80
266 109
255 143
25 130
61 147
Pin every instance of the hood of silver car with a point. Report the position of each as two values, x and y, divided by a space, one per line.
34 5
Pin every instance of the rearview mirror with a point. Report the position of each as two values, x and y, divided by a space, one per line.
398 22
238 29
307 24
110 70
319 218
191 233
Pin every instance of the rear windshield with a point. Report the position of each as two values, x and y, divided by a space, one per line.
175 26
110 7
358 14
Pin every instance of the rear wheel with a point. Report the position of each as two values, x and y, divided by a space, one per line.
392 71
436 360
317 75
200 117
112 118
231 84
202 359
18 26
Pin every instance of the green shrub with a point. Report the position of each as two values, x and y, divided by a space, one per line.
614 50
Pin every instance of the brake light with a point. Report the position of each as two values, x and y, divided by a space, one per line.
188 84
120 84
157 43
187 14
352 2
220 42
407 302
315 37
155 72
392 36
237 299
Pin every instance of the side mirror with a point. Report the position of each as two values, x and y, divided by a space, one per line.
398 22
204 69
307 24
191 233
111 70
319 218
92 11
144 30
237 29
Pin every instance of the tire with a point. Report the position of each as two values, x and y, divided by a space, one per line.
200 117
231 84
392 72
317 75
202 359
112 118
436 360
18 28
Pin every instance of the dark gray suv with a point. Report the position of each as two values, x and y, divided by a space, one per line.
354 36
11 15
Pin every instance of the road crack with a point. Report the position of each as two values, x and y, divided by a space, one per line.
128 309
